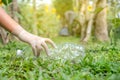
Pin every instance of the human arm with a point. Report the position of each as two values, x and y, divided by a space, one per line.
37 43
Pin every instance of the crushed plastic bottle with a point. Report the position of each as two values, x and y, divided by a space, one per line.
19 52
68 51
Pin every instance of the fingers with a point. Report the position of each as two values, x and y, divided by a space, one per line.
46 48
34 50
39 49
39 45
51 42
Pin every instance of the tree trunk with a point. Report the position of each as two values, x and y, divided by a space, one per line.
86 20
82 18
101 31
88 17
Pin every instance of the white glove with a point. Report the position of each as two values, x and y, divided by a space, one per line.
37 43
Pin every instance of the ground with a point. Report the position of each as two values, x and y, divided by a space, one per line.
101 62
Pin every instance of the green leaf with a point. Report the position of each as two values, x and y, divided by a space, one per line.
98 10
6 2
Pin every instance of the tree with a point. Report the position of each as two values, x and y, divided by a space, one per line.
92 15
61 7
101 27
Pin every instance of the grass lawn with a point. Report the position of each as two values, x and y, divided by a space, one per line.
101 62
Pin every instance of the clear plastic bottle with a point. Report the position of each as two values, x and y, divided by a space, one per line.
68 51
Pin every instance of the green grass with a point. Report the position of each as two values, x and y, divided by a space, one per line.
102 62
70 39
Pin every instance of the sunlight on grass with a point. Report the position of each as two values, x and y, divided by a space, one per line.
101 62
70 39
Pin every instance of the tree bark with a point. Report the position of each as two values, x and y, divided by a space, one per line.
101 31
82 18
87 18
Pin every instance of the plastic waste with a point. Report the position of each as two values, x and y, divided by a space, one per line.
68 51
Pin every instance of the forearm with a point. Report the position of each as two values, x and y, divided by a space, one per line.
9 23
37 43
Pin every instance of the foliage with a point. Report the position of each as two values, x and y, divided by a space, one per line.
6 2
47 20
114 20
100 63
62 6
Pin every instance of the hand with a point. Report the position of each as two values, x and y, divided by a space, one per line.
37 43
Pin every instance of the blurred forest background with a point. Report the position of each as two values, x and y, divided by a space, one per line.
87 19
95 22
